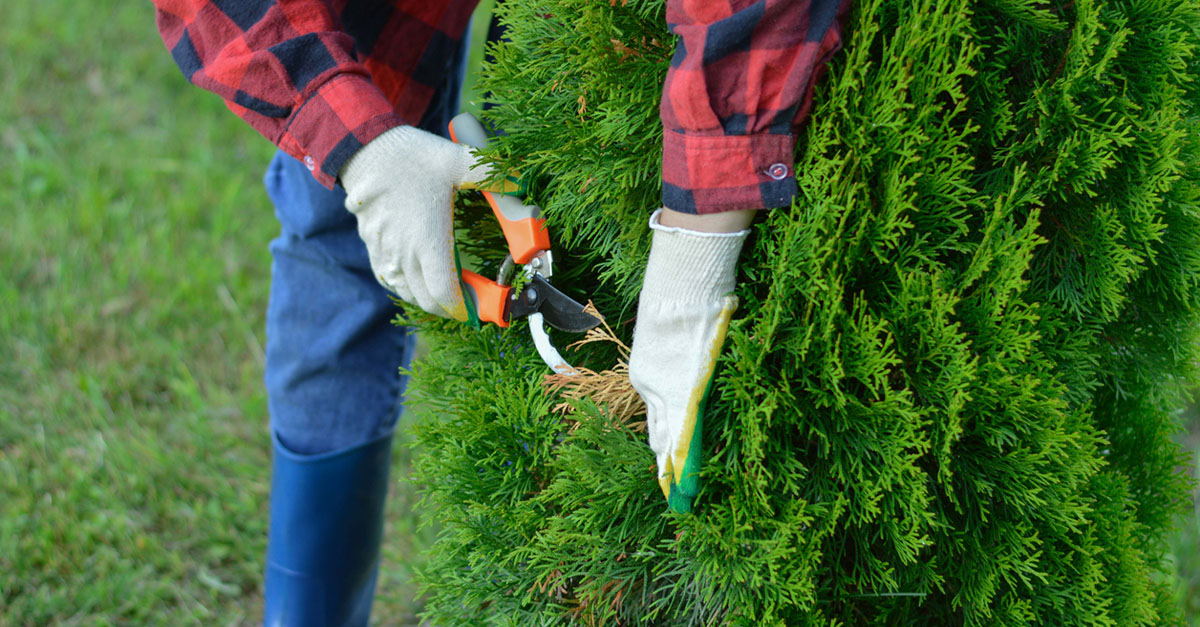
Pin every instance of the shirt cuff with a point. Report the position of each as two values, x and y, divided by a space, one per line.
717 173
340 117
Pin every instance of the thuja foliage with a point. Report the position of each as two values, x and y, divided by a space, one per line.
948 395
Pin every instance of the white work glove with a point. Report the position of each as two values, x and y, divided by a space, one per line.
401 187
684 310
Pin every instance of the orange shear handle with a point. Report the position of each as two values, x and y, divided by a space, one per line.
488 297
524 229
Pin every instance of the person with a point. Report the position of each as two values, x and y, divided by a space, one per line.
357 95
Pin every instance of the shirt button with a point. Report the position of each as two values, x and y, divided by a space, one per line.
309 163
777 171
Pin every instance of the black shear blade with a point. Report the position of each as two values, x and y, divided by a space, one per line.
559 310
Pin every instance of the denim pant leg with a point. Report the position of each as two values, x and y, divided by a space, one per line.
333 354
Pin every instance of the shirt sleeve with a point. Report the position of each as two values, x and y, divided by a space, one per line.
739 86
289 69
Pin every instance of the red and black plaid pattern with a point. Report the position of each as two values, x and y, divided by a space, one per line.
319 78
739 86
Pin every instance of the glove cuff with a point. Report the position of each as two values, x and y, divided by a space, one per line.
371 161
689 266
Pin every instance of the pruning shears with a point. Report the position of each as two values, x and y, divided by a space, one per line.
528 240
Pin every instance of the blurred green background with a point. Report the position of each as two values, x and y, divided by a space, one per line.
133 283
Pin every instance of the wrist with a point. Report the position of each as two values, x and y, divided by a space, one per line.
724 222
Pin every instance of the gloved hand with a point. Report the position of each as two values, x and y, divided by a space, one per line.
401 188
684 310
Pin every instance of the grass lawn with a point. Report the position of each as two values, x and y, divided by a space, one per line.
133 283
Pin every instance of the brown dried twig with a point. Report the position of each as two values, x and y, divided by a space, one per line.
610 388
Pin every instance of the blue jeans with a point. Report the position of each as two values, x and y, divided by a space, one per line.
333 354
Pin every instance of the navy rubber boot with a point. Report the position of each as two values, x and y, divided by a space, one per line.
325 534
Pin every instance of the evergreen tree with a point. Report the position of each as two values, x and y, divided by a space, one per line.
948 395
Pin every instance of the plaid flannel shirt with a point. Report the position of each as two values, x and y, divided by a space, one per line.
319 78
322 78
739 87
